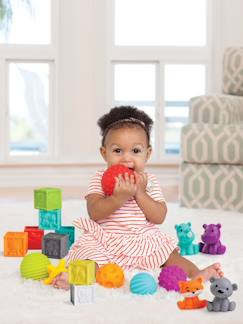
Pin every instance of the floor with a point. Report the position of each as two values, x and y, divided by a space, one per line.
170 193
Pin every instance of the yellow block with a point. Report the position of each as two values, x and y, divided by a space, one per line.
81 272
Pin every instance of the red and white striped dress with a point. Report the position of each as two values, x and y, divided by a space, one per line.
126 237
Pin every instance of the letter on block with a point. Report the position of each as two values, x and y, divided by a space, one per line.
81 272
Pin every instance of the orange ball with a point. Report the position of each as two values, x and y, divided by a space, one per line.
110 276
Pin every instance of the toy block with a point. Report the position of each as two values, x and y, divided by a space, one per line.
50 219
48 198
81 272
67 230
81 295
55 245
15 244
35 235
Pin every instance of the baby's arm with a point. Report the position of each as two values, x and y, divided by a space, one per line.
100 207
154 211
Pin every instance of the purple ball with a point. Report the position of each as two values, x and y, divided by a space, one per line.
169 277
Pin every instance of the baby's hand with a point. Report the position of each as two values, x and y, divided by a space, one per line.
141 180
125 187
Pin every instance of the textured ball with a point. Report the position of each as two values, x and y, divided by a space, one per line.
108 179
143 284
110 275
169 277
34 266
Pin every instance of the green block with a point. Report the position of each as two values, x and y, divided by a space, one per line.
81 272
48 198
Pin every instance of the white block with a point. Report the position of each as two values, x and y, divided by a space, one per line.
82 295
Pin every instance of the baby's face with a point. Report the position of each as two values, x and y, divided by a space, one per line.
126 146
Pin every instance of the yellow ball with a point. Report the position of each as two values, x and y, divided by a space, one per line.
110 275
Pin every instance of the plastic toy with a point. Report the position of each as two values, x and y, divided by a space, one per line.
81 272
48 198
54 271
143 284
67 230
108 179
221 288
35 235
81 295
170 276
110 275
190 290
211 240
55 245
50 219
34 266
15 244
186 238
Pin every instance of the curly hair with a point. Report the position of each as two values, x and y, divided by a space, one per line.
124 116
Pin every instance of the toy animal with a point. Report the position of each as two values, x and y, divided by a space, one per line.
170 276
108 180
221 288
186 238
211 240
190 290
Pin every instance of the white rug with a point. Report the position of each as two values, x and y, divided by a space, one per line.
27 301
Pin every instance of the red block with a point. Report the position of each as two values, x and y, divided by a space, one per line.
108 180
35 235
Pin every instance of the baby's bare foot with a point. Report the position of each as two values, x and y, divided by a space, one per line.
61 281
214 270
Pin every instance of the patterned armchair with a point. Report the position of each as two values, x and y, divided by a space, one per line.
212 144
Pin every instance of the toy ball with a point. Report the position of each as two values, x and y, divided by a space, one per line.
34 266
110 275
143 284
108 179
170 276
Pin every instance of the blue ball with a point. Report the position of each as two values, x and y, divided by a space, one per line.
143 284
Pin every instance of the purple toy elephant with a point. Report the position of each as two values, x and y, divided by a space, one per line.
211 240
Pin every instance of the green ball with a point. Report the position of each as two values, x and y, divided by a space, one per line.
34 266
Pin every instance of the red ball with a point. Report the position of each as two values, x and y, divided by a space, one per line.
108 180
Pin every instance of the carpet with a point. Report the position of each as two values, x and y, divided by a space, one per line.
27 301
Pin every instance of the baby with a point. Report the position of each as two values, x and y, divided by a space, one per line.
122 227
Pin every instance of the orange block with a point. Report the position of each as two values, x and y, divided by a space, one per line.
15 244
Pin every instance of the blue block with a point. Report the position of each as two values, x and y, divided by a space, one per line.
70 230
50 219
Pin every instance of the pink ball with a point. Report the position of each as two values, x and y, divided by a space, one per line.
170 276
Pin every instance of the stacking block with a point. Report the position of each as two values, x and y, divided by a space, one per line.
35 235
82 295
50 219
67 230
15 244
48 198
55 245
81 272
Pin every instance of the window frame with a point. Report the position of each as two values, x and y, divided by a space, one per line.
30 53
161 55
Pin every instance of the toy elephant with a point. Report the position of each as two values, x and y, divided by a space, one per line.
221 288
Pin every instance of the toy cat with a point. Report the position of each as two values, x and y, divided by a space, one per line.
190 290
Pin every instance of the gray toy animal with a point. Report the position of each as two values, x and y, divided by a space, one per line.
221 288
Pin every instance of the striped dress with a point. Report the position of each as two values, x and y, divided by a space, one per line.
126 237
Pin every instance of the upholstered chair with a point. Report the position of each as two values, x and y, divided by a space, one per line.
212 143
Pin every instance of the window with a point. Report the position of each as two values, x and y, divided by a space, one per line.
159 59
26 93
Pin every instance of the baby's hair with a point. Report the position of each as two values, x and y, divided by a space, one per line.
124 116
